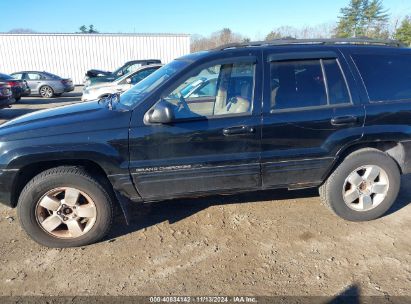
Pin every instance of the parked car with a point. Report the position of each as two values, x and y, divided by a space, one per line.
97 76
6 95
46 84
120 85
18 87
333 114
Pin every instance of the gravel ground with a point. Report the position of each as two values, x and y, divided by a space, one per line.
270 243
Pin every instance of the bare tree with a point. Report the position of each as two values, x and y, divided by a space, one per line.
225 36
324 30
273 35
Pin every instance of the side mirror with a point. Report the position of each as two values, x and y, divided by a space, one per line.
128 80
162 113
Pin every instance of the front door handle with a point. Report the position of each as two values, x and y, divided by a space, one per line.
241 130
344 120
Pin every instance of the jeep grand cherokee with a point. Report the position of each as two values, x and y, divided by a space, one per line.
333 114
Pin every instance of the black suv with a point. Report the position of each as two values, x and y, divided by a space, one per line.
333 114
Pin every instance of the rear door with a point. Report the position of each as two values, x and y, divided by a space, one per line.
33 80
311 110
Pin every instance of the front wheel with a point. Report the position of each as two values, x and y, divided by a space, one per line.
46 91
363 187
65 207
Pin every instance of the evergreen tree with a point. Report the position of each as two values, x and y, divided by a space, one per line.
363 18
351 21
83 29
90 30
403 33
375 20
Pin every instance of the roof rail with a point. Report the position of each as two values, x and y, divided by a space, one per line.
333 41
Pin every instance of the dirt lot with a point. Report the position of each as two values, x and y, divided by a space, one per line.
272 243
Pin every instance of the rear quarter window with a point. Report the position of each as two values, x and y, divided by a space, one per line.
386 77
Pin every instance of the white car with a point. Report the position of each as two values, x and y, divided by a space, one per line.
120 85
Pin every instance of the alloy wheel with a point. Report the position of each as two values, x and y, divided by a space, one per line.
66 213
46 92
365 188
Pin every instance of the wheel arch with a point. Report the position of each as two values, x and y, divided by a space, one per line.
29 171
45 85
393 149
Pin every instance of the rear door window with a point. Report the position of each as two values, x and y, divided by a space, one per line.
33 76
386 77
307 83
297 84
337 84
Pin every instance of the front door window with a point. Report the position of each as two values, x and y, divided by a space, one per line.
223 89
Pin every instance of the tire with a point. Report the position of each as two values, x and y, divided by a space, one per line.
17 99
46 91
343 186
93 208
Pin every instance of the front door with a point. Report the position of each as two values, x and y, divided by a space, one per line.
213 146
309 115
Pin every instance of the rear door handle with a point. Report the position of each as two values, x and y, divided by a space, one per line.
241 130
344 120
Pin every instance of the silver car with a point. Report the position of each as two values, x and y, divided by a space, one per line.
46 84
120 85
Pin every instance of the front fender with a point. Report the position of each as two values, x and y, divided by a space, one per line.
108 150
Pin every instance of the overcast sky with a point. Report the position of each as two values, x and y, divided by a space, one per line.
253 18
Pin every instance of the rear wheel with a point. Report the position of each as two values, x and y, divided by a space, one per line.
46 91
363 187
65 207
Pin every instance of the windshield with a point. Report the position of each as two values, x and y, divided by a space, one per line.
137 93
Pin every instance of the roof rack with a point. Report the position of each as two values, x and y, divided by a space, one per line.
333 41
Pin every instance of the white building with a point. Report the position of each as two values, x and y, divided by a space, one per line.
71 55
